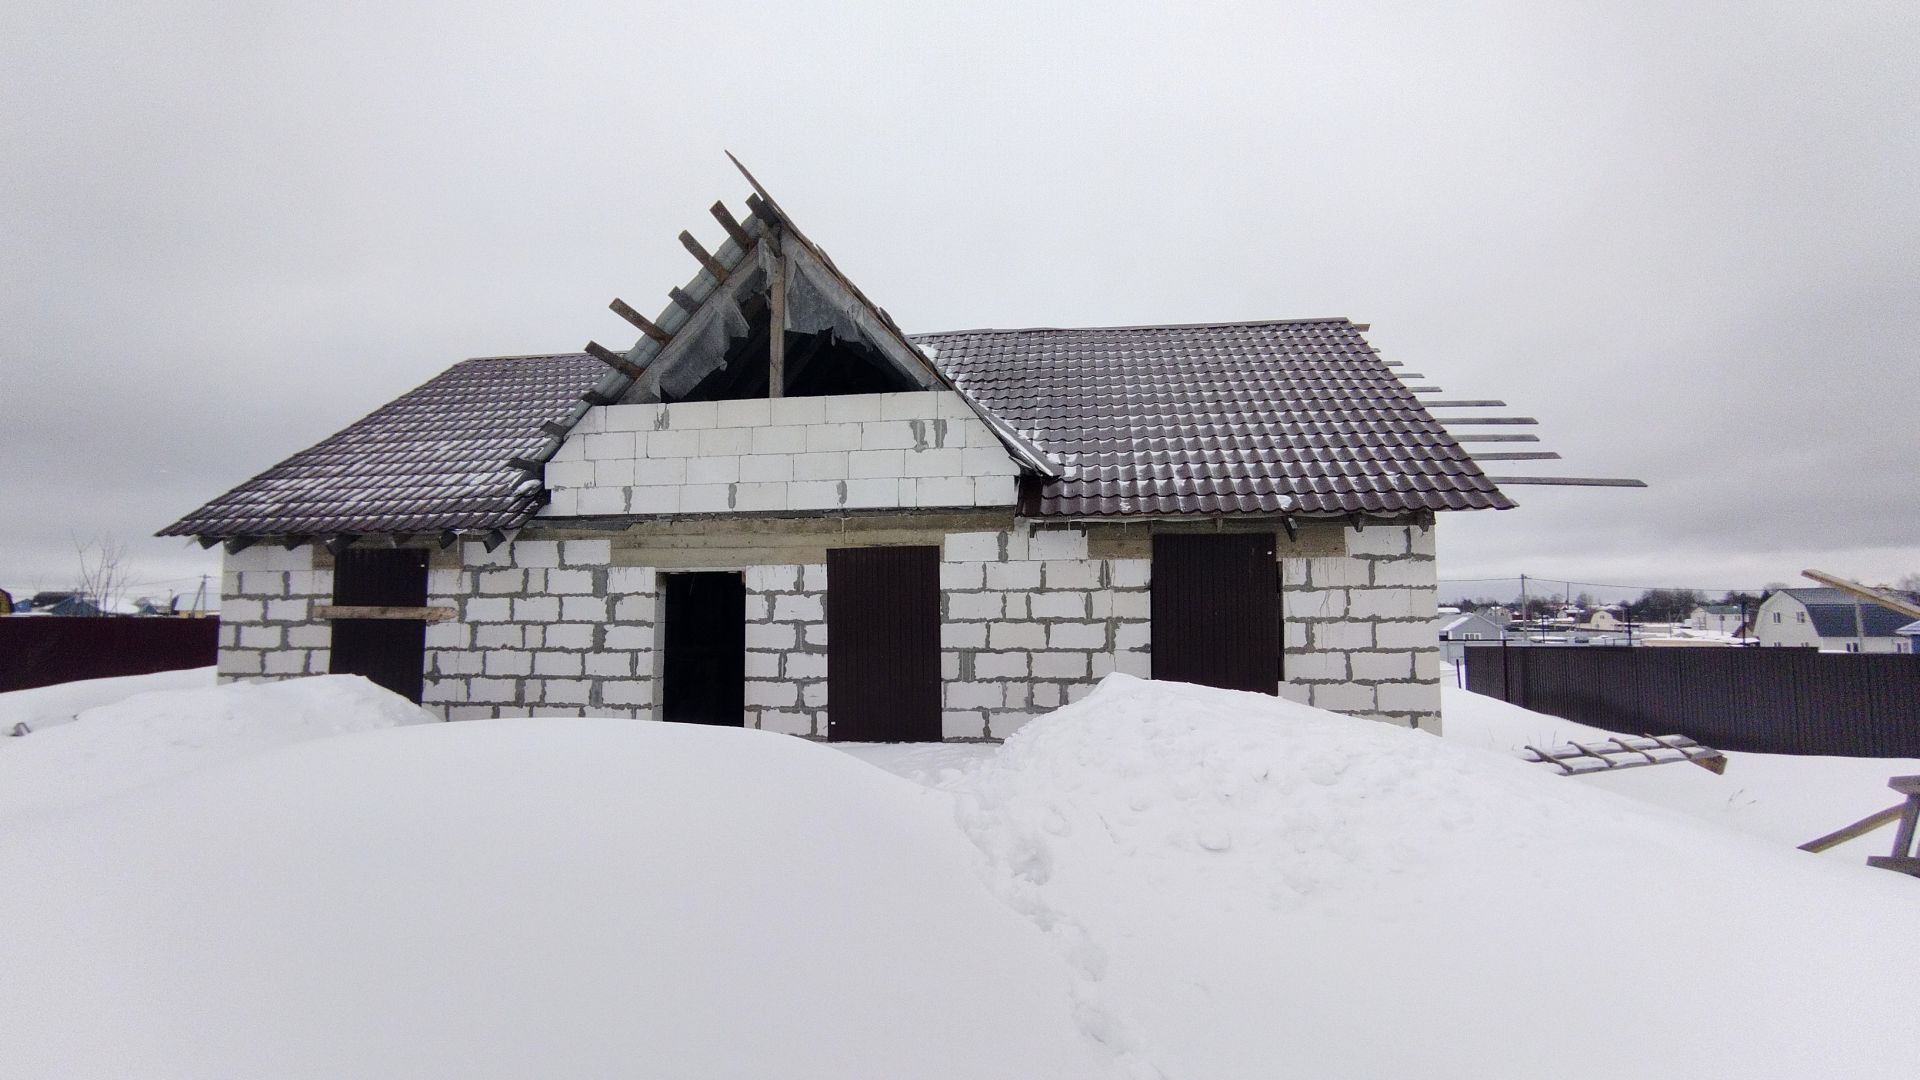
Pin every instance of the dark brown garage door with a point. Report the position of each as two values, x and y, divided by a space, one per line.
883 644
1216 610
391 652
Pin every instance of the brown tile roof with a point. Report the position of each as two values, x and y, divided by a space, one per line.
433 459
1272 417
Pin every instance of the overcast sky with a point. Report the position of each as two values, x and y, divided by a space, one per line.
1686 237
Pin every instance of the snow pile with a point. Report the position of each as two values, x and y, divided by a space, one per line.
148 737
1249 887
1788 800
47 706
516 898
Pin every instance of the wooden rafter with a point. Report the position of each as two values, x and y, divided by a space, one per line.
645 325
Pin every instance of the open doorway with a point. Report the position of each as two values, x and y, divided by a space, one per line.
705 649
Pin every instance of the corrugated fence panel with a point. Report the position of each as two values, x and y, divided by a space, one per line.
1772 701
41 650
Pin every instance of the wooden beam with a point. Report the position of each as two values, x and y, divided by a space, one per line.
1423 389
1489 404
1568 481
706 258
725 217
238 544
1856 830
1520 421
679 296
614 360
351 611
1519 455
1496 438
1872 596
762 210
555 428
524 465
646 326
777 330
595 397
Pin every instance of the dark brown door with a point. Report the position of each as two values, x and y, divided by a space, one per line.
883 644
391 652
705 645
1216 610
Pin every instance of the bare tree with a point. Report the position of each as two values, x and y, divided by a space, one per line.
102 573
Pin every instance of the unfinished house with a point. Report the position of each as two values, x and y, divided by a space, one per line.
778 510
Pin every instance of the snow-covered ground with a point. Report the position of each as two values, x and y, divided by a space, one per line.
47 706
1157 881
1787 800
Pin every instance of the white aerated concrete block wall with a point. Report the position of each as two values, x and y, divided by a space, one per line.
1029 622
866 451
267 629
545 628
787 649
1359 628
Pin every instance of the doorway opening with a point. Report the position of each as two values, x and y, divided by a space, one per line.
705 649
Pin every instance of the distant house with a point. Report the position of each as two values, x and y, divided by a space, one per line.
1457 630
60 603
1907 638
1826 619
1718 618
1603 619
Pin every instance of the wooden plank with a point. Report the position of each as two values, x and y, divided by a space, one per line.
383 611
698 251
1485 403
645 325
777 330
1855 589
555 428
679 296
1518 455
614 360
1904 864
725 217
1569 481
1495 438
1905 785
1856 830
1510 421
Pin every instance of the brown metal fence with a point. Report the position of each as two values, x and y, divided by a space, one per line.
41 650
1772 701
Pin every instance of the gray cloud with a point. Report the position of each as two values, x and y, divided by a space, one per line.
1680 235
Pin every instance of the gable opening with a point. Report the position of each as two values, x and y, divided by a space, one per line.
819 364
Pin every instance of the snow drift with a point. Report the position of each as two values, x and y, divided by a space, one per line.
109 749
1250 888
521 898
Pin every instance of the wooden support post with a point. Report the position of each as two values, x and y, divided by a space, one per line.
777 329
646 326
